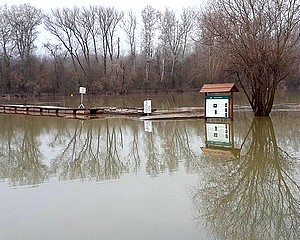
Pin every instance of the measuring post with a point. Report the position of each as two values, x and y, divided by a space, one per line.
82 90
147 107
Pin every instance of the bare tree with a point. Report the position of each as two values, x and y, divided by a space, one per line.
129 26
6 50
24 20
109 19
149 19
57 23
77 30
259 39
167 22
83 24
85 33
188 16
174 33
59 56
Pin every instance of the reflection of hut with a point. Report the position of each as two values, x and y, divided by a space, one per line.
219 141
218 103
220 152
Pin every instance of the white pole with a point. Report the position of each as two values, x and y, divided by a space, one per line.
82 90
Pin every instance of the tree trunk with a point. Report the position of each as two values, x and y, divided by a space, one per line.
262 101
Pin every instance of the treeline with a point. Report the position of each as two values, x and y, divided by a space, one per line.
106 50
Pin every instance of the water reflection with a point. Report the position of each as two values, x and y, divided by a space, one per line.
255 196
20 157
98 150
169 145
87 155
219 140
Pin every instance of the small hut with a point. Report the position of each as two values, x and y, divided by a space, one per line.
219 100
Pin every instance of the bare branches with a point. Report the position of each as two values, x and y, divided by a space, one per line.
174 34
84 32
259 38
18 33
129 26
24 20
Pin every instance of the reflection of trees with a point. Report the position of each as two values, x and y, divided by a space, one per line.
20 159
94 152
287 127
154 165
86 149
177 148
134 155
97 149
168 148
105 149
257 196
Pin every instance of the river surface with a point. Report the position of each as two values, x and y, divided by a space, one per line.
122 178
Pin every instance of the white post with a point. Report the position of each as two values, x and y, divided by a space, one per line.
82 90
147 107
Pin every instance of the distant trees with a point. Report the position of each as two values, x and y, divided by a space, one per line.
149 20
6 44
260 41
18 32
174 37
109 21
87 34
24 21
164 41
108 50
73 29
58 57
129 26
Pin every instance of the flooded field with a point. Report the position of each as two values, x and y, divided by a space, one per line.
122 178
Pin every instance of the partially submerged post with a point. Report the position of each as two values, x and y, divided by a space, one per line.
218 104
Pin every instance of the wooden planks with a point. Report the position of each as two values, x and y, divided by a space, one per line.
167 116
84 113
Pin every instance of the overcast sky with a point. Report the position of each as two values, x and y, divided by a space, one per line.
136 5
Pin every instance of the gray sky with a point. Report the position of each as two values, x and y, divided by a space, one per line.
136 5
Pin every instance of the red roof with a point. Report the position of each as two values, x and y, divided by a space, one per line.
219 88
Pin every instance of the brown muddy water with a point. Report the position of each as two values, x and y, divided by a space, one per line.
122 178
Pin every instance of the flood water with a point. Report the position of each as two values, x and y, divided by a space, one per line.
122 178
